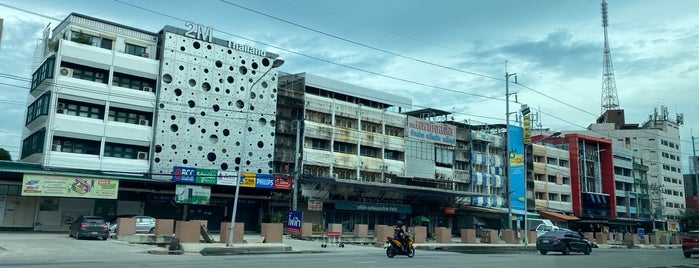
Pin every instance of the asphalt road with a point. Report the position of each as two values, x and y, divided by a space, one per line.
59 251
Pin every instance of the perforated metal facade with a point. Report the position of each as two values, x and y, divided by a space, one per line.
212 111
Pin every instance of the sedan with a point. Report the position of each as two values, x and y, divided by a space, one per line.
690 244
564 241
89 226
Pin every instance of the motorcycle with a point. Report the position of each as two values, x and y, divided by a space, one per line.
395 247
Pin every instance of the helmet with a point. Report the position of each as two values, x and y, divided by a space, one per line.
399 223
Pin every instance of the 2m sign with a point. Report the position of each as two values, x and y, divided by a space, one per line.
198 31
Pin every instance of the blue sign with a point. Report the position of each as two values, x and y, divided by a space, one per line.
264 183
295 221
516 158
184 174
641 233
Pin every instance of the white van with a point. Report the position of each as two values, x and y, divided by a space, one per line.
544 228
532 224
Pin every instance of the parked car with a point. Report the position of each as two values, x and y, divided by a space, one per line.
564 241
144 224
690 243
89 227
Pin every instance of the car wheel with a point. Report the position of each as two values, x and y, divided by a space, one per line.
152 230
543 252
566 250
77 235
687 255
104 238
587 250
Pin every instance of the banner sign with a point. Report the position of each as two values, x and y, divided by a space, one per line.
184 174
378 207
516 158
65 186
206 176
431 131
315 205
265 182
248 180
192 194
295 221
227 178
283 182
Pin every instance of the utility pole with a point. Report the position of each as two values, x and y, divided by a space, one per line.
297 163
507 145
694 167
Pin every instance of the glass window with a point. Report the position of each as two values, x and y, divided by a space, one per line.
134 50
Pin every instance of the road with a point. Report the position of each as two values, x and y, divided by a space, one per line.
60 252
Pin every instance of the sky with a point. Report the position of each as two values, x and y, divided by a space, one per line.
451 55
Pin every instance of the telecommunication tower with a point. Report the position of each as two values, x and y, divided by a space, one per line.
610 100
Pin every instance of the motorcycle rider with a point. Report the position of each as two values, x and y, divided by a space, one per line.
400 235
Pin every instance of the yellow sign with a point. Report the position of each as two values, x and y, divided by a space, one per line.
248 182
64 186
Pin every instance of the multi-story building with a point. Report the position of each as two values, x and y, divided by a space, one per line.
128 112
657 144
551 183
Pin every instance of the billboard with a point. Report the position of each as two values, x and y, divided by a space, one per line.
516 158
69 186
431 131
192 194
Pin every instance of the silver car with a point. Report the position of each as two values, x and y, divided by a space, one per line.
144 224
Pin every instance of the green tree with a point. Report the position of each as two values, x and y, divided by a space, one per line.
5 155
689 220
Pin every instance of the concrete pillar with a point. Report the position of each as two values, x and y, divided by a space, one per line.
164 227
601 238
272 232
126 226
238 233
510 236
361 230
664 239
306 229
532 237
187 231
419 234
468 236
443 235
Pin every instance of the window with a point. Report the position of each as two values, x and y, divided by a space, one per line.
34 143
78 146
123 150
130 117
44 72
319 144
565 198
81 109
369 151
394 155
134 50
553 197
132 82
38 108
88 39
342 147
87 73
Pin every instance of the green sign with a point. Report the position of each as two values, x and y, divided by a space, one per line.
192 194
65 186
206 176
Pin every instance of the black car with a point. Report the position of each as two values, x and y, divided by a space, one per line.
564 241
89 227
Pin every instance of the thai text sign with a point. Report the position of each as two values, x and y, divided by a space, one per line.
192 194
431 131
295 221
69 186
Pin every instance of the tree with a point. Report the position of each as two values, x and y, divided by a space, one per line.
689 220
5 155
82 38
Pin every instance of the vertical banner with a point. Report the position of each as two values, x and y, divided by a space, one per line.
516 158
295 221
526 123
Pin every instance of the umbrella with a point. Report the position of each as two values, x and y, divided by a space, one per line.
421 219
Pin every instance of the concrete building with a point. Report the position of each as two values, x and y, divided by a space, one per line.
656 143
551 180
137 122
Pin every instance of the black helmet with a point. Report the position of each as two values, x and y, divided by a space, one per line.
399 223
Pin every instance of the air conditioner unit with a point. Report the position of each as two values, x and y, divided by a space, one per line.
144 122
99 75
147 89
142 156
61 105
145 55
60 111
66 71
56 147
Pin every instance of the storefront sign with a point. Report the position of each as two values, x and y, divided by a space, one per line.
192 194
295 221
206 176
376 207
184 174
65 186
227 178
431 131
264 183
206 33
283 182
315 205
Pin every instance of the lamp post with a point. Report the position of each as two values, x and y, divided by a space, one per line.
275 64
526 226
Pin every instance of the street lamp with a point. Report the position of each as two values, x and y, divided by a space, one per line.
275 64
526 226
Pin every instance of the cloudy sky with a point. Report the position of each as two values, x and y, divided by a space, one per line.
450 55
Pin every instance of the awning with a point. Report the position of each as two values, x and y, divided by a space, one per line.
557 216
483 209
517 212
